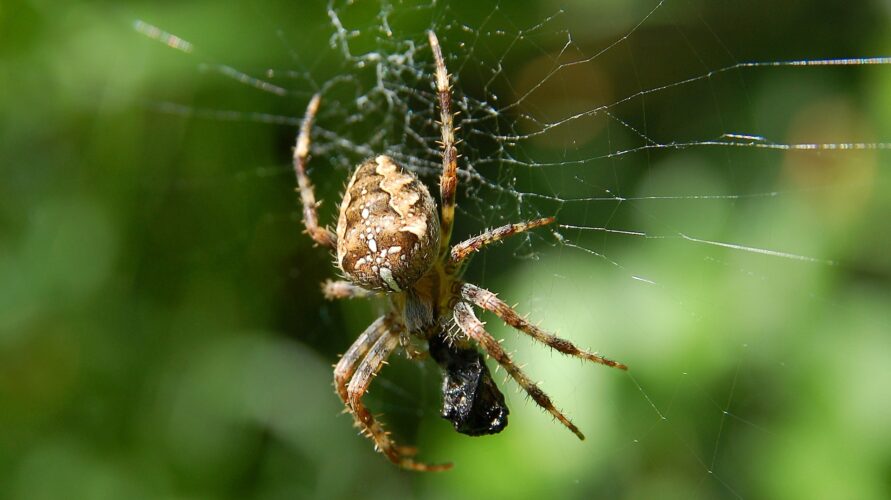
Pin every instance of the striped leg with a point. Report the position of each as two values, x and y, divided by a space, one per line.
323 236
462 250
473 328
366 371
345 368
448 183
488 301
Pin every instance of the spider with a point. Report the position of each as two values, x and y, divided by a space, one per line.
391 241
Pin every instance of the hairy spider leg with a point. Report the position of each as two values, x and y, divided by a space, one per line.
489 301
461 251
367 369
357 356
342 289
448 183
345 368
321 235
474 329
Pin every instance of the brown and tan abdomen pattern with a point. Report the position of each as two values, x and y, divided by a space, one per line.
388 230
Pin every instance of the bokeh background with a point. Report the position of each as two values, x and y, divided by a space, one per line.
162 333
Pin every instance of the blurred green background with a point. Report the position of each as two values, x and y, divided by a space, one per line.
162 332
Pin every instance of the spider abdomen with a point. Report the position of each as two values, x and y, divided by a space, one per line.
388 230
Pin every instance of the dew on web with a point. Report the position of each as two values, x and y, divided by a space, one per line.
703 195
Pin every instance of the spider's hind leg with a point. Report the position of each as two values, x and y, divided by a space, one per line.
321 235
448 183
474 329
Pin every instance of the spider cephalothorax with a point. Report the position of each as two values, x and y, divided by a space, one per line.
391 241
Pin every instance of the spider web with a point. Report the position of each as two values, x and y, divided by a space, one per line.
704 194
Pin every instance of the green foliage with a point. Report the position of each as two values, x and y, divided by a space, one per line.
162 333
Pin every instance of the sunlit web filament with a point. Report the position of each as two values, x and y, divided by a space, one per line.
175 42
168 39
732 246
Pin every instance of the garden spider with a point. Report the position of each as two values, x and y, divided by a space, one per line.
390 240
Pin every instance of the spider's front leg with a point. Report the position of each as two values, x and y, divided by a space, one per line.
473 328
344 369
352 376
487 300
321 235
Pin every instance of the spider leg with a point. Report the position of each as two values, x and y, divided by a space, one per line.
367 368
323 236
344 369
344 290
488 301
460 251
448 183
474 329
